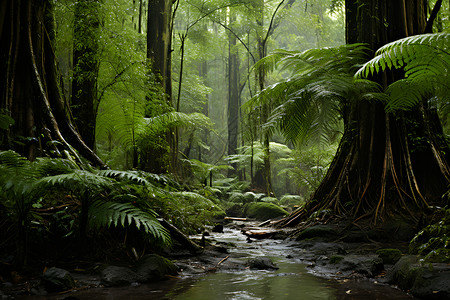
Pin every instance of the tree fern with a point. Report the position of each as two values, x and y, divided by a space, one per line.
105 214
425 60
311 101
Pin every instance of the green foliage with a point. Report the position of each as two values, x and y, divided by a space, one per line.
5 121
311 166
425 60
188 211
105 214
433 241
311 102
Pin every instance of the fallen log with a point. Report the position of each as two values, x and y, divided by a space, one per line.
259 233
237 219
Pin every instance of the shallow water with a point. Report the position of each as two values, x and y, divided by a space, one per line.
290 281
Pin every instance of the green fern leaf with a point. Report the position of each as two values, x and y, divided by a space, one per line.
105 214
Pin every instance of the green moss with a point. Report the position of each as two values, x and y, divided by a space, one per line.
389 256
270 200
336 259
263 211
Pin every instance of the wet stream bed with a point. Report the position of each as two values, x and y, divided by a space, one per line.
292 279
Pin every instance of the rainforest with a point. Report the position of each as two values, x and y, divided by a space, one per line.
224 149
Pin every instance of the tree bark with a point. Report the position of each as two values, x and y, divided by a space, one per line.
159 53
86 32
233 98
30 91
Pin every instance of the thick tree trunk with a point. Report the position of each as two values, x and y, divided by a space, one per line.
385 164
159 53
233 98
30 91
159 41
86 64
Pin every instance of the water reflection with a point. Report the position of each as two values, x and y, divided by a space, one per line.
289 282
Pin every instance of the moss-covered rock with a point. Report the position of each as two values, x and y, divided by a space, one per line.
270 200
235 210
253 197
263 211
236 197
405 272
155 267
389 256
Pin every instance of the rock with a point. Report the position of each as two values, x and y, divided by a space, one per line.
235 210
263 211
389 256
432 285
262 263
318 231
3 296
428 281
154 267
218 228
322 248
57 280
119 276
404 272
367 265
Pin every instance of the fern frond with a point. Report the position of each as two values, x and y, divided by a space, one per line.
309 102
425 59
77 180
124 175
269 63
12 159
105 214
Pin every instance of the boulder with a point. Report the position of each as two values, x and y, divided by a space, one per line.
432 284
236 210
119 276
154 267
218 228
57 280
263 211
389 256
404 272
427 281
367 265
262 263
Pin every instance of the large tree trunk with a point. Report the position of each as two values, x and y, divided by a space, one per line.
159 53
30 91
159 41
385 164
86 62
233 98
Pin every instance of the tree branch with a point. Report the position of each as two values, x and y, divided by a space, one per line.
433 15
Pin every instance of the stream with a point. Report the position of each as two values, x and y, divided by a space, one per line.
291 281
